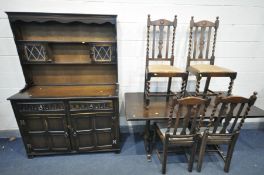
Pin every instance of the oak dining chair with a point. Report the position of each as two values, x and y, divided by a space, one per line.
181 132
161 33
201 52
227 118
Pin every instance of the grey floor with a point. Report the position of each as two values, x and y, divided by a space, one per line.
248 158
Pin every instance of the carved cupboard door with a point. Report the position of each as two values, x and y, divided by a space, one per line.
44 127
92 131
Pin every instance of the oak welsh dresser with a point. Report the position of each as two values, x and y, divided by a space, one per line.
70 100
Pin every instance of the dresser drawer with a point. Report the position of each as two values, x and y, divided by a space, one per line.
93 105
32 107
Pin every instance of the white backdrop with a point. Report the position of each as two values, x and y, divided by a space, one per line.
240 42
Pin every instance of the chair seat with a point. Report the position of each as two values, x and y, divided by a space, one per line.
202 129
163 128
215 137
207 68
164 69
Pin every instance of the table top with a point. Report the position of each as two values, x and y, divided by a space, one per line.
159 108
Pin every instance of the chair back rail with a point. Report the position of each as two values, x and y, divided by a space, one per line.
231 115
200 43
162 28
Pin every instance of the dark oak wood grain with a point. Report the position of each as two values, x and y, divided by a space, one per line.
222 129
202 43
162 35
159 108
70 102
187 110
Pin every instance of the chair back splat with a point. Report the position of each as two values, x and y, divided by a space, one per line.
161 37
201 46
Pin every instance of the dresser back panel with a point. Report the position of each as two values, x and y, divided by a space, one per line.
73 74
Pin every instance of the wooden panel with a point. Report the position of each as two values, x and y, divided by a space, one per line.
56 123
104 139
85 141
51 31
82 121
73 74
104 130
35 124
70 53
103 121
59 142
38 142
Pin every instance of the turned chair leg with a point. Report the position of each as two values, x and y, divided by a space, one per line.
230 87
202 152
198 81
168 89
183 86
229 154
147 91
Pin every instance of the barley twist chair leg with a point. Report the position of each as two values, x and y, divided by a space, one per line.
147 92
183 86
198 81
145 87
230 87
169 89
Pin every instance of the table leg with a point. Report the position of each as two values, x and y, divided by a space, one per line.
148 136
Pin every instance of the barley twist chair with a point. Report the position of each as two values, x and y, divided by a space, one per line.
227 118
202 50
162 46
183 130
